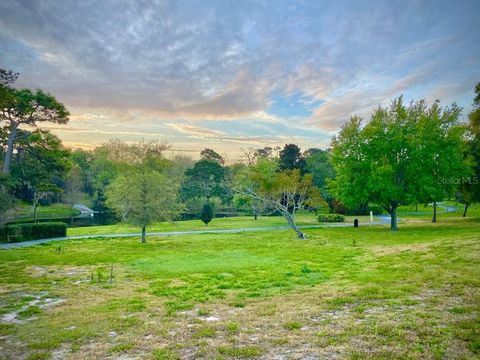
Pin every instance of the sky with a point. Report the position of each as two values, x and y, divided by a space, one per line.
233 75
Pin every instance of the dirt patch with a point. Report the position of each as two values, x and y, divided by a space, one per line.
30 302
396 249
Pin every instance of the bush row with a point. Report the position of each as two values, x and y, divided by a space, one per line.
30 231
330 218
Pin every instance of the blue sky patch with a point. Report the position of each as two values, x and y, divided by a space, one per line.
295 105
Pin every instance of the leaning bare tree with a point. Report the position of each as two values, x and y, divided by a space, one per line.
285 192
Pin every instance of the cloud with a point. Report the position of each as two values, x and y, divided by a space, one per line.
196 131
167 66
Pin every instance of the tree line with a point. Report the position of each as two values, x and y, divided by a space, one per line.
404 154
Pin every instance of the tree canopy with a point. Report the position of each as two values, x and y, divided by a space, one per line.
143 197
25 107
291 158
204 180
212 155
397 156
470 187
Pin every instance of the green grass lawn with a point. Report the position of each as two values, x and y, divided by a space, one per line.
216 224
343 293
409 210
25 211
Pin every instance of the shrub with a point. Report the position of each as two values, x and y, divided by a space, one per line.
331 218
29 231
207 213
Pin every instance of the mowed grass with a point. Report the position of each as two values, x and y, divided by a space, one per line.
25 211
343 293
216 224
307 219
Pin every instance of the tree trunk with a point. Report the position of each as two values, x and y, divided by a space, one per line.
393 217
291 222
35 208
255 213
465 210
144 240
8 153
416 207
434 219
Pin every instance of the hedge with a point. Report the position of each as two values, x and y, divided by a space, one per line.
330 218
30 231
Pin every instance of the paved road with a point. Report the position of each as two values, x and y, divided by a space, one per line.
383 219
446 209
85 212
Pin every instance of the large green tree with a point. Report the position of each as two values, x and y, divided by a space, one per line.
291 158
204 180
117 157
439 140
470 186
22 108
39 167
142 197
390 160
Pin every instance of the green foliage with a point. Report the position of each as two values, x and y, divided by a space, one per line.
30 231
207 213
40 168
398 157
317 163
26 108
286 192
145 153
143 197
291 158
204 180
375 209
31 107
330 218
470 187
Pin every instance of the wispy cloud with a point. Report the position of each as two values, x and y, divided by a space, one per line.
130 69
